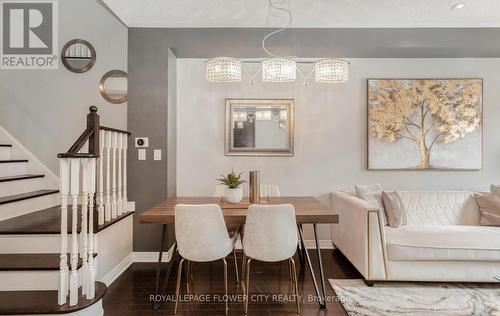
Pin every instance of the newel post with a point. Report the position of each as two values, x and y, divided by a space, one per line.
93 124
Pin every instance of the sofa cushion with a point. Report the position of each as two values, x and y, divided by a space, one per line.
433 243
440 208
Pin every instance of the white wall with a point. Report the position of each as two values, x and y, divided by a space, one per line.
330 130
45 109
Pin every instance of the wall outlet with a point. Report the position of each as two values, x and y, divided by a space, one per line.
141 154
157 154
142 142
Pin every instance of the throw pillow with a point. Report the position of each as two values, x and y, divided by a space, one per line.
495 189
489 208
394 209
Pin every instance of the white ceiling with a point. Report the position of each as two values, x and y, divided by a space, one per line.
307 13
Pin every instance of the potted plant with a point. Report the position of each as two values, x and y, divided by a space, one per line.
234 192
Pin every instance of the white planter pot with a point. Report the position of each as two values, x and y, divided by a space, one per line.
234 195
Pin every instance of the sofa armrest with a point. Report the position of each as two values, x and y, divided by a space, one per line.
360 234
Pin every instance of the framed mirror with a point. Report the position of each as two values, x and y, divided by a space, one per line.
78 56
256 127
113 86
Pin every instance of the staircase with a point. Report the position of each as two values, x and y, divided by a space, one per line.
31 237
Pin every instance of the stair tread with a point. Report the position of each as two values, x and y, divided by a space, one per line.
21 177
44 302
47 221
13 160
25 196
32 261
5 145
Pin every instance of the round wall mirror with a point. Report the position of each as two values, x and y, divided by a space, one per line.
113 86
78 56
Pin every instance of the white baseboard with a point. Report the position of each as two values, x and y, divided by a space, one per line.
152 256
112 275
323 244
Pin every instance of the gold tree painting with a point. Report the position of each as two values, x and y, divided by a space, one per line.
425 124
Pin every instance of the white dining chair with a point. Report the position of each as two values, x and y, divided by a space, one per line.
269 190
202 236
219 191
266 190
270 236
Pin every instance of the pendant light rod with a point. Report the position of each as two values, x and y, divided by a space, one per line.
272 5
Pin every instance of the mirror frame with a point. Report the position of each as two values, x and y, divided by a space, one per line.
88 66
287 152
103 92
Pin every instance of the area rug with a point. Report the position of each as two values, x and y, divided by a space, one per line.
428 299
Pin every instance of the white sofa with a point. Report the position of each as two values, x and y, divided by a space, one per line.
442 240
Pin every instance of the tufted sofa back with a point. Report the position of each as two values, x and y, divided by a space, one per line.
440 208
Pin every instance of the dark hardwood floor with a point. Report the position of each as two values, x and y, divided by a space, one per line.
130 293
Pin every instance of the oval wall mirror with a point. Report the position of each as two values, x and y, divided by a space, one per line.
113 86
78 56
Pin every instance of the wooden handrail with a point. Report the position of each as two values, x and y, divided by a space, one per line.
111 129
77 155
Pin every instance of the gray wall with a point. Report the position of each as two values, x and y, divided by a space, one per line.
45 109
330 130
147 116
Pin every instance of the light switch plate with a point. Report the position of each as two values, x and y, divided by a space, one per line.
157 154
141 154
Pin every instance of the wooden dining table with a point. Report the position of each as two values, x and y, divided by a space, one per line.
308 210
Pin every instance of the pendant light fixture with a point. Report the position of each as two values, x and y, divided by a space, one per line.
278 68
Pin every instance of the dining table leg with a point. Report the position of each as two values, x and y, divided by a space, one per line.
320 262
322 296
300 251
156 305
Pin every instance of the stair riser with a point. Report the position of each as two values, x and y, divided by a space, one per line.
5 153
31 280
19 208
37 243
23 186
13 168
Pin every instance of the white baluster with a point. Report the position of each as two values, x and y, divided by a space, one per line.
113 177
83 233
63 263
91 270
119 205
124 184
107 207
73 279
100 194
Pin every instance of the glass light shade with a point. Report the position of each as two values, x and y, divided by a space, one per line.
263 115
283 115
279 70
239 116
331 71
223 69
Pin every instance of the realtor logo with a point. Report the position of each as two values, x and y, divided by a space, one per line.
29 34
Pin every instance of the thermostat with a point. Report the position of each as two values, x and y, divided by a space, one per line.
141 142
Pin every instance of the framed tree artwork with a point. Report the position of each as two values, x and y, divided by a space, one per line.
425 124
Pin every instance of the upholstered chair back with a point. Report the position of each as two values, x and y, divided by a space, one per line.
201 232
266 190
270 232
